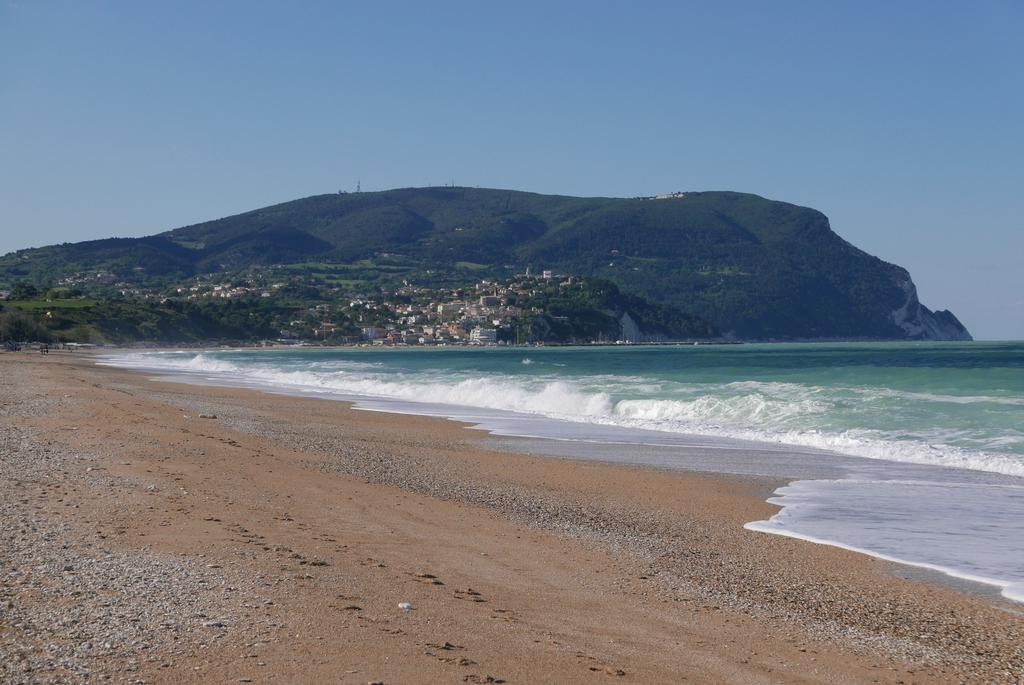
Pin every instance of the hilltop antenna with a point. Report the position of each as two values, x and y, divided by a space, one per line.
359 186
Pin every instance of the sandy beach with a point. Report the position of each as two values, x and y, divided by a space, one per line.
159 532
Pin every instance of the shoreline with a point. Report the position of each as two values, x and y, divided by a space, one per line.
312 344
599 547
585 450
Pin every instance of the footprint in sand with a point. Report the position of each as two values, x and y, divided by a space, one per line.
428 578
469 594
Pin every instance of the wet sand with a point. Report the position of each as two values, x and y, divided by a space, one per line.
276 540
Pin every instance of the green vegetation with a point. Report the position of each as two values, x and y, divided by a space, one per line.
16 326
127 321
589 310
53 304
528 310
754 268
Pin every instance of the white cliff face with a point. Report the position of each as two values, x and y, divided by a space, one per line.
921 323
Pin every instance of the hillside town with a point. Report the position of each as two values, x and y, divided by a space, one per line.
305 309
385 300
485 313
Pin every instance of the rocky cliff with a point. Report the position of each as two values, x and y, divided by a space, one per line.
921 323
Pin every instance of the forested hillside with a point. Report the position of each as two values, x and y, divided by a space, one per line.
754 268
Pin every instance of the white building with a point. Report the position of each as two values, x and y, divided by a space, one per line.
449 309
483 336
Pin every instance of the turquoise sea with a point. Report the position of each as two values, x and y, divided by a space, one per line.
908 451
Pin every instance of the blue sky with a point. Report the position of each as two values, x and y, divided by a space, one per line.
902 121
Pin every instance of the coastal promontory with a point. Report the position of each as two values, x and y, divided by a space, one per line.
753 268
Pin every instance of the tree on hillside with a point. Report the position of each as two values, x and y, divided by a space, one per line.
18 327
24 291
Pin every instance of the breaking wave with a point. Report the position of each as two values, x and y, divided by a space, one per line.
772 412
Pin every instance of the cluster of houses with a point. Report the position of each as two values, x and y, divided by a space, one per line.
202 291
418 316
484 314
427 335
90 278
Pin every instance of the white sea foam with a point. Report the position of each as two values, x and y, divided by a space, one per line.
1011 590
712 409
970 530
934 397
550 397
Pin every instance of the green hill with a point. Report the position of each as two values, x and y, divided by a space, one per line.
755 268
